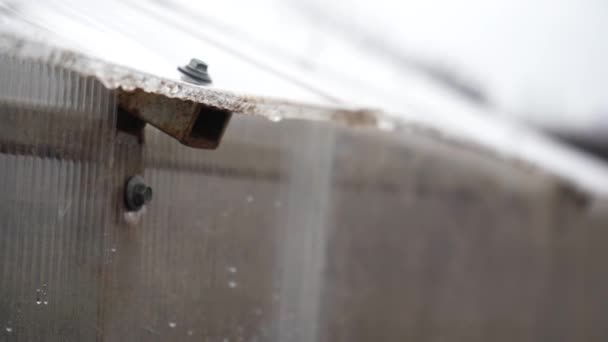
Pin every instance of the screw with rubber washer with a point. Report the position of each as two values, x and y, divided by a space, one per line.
137 193
196 72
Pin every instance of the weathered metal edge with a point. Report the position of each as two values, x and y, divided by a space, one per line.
583 174
119 77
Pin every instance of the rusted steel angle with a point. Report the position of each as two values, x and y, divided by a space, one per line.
193 124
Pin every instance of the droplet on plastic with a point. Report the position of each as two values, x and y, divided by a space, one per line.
249 199
231 269
386 125
134 217
275 118
172 324
9 329
232 284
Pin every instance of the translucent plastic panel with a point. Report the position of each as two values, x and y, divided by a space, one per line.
290 231
56 136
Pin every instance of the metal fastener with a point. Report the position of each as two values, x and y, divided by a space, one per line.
196 72
137 193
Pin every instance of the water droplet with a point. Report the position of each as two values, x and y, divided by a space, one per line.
37 290
232 284
46 302
9 329
172 324
275 118
134 217
38 302
231 269
249 199
386 124
126 87
175 89
190 332
113 250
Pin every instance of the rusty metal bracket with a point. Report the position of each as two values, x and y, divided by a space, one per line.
192 124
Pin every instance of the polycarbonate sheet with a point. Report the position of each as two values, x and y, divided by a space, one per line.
290 231
56 137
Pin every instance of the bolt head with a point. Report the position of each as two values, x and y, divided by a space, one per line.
195 72
137 193
142 194
198 65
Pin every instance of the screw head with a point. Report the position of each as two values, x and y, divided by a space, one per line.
195 72
137 193
198 65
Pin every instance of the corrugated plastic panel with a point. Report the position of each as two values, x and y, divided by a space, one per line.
292 231
57 135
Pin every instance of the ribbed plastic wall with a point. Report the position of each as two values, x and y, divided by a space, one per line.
290 231
56 134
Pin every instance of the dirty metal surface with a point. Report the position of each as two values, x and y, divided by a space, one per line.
193 124
120 77
486 134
